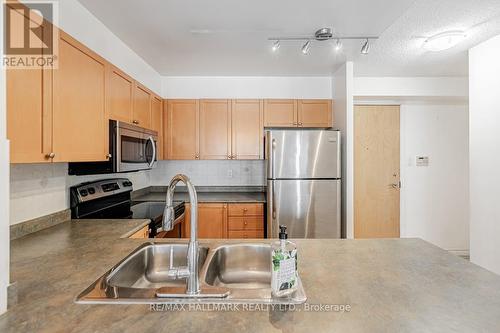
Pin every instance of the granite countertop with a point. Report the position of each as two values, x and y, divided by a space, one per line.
396 285
206 194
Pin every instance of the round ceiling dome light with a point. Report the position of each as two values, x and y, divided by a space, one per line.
444 41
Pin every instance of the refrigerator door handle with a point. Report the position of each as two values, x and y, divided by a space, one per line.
273 204
273 159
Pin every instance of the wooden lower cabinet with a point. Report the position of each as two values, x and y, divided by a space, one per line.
142 233
212 221
246 234
226 220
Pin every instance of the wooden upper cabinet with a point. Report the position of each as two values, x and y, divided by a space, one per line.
315 113
80 131
181 141
142 106
29 109
247 123
120 95
157 122
215 129
280 113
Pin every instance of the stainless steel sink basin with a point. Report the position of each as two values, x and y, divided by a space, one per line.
149 266
243 270
240 266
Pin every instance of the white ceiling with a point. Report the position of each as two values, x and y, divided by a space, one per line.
229 38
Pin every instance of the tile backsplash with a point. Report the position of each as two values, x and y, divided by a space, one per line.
41 189
211 173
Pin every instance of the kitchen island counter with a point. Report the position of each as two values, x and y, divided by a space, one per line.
395 285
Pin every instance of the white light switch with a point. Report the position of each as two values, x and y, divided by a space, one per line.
422 161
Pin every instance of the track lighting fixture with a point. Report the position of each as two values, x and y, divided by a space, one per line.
321 35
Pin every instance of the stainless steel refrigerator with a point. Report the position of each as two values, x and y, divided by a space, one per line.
303 183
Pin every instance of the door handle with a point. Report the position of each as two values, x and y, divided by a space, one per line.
153 159
396 185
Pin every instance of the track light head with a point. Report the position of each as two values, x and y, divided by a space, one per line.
366 47
338 45
276 46
306 48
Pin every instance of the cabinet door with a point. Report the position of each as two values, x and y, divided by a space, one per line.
315 113
79 116
157 122
247 124
120 95
182 141
215 129
29 110
212 221
142 107
280 113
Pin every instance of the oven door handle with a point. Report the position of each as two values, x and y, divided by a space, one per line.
153 144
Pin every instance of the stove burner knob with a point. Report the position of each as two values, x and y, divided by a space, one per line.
91 190
83 193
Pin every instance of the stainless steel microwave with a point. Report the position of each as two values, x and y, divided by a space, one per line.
132 148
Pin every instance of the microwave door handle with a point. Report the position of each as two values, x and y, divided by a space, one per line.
153 159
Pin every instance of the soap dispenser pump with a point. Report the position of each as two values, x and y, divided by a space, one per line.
283 265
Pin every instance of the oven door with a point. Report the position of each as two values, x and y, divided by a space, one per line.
136 148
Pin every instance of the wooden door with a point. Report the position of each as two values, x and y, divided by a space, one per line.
315 113
247 125
29 110
280 113
212 221
120 95
79 116
215 129
376 171
157 122
142 106
182 123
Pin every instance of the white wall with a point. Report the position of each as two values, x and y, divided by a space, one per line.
484 71
77 21
435 199
212 173
247 87
342 88
4 189
426 88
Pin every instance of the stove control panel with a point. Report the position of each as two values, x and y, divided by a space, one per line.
99 189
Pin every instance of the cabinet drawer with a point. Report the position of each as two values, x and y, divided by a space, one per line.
246 223
244 234
246 210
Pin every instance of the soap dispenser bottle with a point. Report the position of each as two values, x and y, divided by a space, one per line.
283 266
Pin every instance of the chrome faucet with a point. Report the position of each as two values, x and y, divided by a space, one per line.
191 273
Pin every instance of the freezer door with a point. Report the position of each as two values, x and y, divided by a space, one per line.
309 208
304 153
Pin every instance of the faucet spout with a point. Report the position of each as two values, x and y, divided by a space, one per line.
193 284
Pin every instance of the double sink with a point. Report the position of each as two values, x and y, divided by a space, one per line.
235 273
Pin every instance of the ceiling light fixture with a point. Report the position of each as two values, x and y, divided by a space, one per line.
306 48
338 45
325 34
444 41
366 47
276 46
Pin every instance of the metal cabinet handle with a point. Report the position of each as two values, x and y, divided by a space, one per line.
229 157
50 155
135 122
109 156
197 157
300 124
